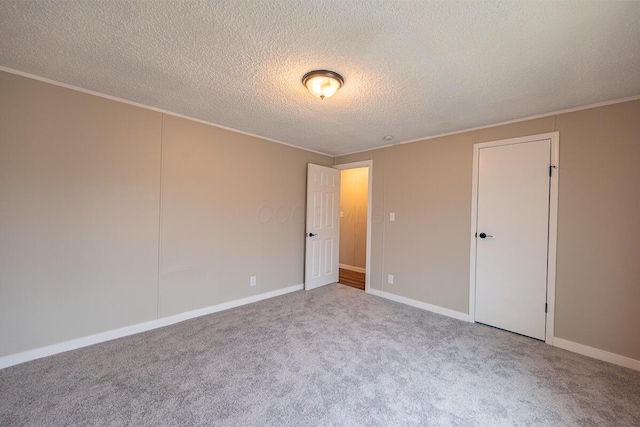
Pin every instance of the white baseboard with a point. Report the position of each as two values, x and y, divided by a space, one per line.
585 350
419 304
25 356
14 359
596 353
353 268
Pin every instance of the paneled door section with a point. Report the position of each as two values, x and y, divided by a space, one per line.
512 238
323 226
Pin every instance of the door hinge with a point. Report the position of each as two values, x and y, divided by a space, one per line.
546 307
551 167
476 235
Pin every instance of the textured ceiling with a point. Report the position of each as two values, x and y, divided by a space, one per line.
413 69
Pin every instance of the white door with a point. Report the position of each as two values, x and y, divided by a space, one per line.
323 226
512 237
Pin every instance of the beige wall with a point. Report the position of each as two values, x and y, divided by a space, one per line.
80 184
232 207
79 197
354 188
598 276
428 185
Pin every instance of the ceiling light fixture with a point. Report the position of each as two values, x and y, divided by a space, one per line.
322 83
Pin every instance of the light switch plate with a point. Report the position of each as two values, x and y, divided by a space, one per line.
392 216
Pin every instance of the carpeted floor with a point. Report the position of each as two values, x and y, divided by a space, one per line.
329 357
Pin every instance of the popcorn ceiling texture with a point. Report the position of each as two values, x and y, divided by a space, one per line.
412 68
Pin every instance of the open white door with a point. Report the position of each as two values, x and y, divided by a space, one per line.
323 226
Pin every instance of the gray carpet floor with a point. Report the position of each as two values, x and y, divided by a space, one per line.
334 356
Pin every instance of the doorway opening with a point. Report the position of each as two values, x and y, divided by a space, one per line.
355 224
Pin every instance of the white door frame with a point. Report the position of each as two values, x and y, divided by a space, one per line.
362 164
553 223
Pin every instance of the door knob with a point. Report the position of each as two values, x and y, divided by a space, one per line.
484 235
312 235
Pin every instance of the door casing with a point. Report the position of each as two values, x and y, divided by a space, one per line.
553 222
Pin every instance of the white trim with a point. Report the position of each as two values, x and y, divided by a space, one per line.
148 107
353 268
553 238
474 240
596 353
575 347
508 122
419 304
354 165
25 356
553 223
365 164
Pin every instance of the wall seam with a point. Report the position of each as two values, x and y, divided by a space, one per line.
160 216
261 280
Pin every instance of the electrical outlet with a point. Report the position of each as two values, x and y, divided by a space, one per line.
390 279
392 216
252 281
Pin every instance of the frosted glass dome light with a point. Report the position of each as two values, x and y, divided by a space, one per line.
322 83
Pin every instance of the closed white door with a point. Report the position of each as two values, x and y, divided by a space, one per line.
512 237
323 226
